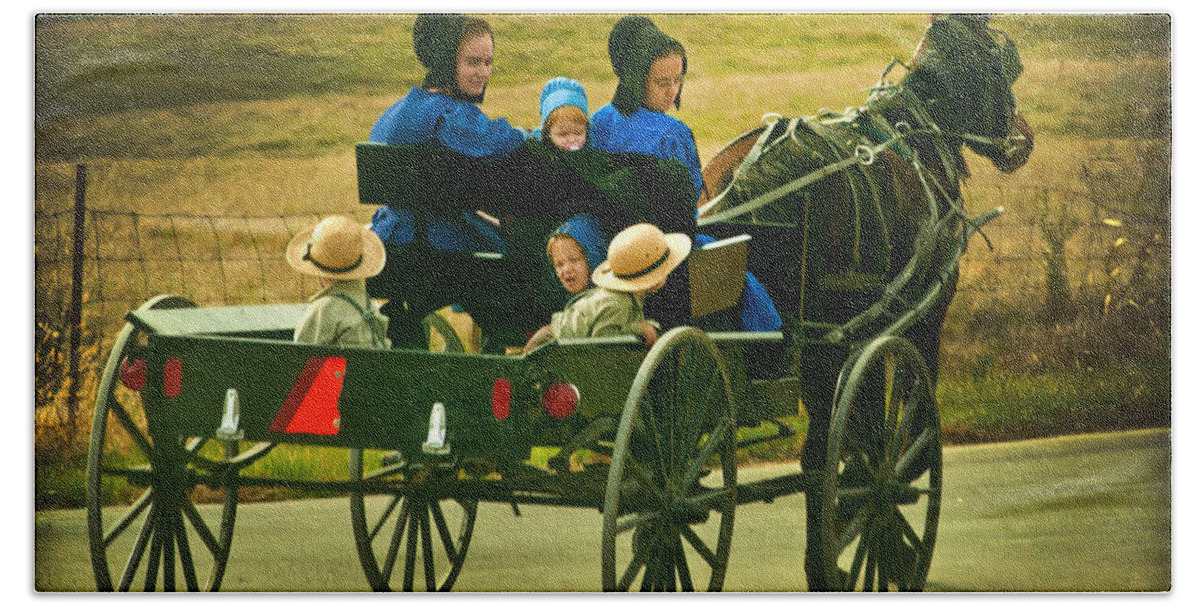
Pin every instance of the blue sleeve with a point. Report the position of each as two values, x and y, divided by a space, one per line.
468 130
758 313
679 144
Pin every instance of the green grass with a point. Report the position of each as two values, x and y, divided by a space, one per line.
1002 407
181 86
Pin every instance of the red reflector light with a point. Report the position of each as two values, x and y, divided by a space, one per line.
133 374
560 400
501 399
172 377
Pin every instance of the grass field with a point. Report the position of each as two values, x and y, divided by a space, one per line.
256 115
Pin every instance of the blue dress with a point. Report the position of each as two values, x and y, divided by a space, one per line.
422 117
664 136
647 132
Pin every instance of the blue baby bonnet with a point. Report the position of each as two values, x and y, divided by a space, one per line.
561 92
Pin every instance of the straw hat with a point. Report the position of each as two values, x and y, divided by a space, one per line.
337 248
640 257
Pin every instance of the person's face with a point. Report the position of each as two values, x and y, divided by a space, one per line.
663 82
474 64
568 135
570 265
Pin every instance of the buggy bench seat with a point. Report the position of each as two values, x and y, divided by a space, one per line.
248 321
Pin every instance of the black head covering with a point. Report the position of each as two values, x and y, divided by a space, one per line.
632 46
436 38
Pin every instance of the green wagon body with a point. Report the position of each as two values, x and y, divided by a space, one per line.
382 399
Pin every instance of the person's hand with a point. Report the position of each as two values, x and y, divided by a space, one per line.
649 334
540 337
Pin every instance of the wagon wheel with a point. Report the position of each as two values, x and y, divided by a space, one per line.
882 484
411 519
162 532
677 423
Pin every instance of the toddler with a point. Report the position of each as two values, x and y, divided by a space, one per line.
639 260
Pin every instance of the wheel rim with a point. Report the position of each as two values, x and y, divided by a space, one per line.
431 534
882 486
162 539
659 533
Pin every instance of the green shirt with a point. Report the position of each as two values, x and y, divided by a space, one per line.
600 312
342 315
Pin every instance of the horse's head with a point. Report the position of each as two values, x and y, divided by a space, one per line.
964 73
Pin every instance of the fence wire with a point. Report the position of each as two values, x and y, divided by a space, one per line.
131 257
213 260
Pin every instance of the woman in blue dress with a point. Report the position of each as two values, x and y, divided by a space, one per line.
651 67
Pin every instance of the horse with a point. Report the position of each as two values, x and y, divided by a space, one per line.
837 203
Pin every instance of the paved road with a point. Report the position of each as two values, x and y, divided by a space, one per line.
1073 513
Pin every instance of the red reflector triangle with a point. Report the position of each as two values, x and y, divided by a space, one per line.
312 405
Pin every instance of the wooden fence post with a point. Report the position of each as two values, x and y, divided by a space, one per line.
75 312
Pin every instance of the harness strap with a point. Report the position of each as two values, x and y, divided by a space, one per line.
863 154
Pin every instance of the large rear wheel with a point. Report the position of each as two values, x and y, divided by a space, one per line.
161 538
662 491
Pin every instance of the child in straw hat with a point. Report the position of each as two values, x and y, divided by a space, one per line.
341 254
639 260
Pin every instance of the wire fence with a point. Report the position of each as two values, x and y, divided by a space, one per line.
130 257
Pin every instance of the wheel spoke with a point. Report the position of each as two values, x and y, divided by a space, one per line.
439 520
651 414
855 450
383 518
131 427
168 555
185 555
636 520
152 564
143 501
206 536
697 543
715 439
427 549
856 564
139 549
897 407
715 498
907 531
915 449
410 551
681 565
389 562
636 563
854 528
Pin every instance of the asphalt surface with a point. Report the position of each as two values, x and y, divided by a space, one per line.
1081 513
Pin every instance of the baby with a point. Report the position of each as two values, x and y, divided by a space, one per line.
341 254
639 260
564 114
